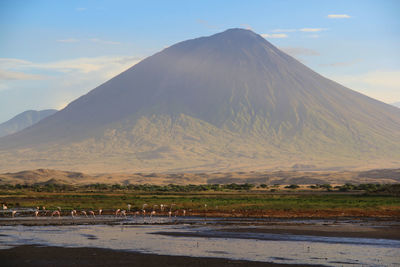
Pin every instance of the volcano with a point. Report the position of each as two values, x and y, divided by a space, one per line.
230 101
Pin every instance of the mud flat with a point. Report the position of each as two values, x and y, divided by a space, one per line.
194 241
60 256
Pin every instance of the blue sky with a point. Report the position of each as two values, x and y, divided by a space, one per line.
52 52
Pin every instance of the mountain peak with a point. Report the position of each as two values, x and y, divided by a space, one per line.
238 31
239 34
242 100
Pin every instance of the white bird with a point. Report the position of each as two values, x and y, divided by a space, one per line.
13 213
36 213
73 212
123 213
169 214
129 207
184 212
100 211
4 207
91 212
162 207
59 209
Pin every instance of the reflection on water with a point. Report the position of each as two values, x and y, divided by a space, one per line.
247 246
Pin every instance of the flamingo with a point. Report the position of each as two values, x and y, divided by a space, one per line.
100 211
152 213
169 214
84 213
117 212
4 207
144 209
162 207
44 210
56 212
123 213
13 213
91 212
184 212
73 212
36 213
137 213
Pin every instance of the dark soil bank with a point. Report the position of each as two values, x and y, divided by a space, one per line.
58 256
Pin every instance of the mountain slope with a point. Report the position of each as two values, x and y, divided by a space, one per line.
244 103
24 120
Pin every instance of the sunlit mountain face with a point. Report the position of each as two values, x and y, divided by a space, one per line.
229 101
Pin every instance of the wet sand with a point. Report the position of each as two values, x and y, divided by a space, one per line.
382 229
59 256
346 231
389 232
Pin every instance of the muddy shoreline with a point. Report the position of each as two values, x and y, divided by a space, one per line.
392 232
59 256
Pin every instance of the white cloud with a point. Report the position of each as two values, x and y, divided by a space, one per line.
247 26
284 30
341 63
97 40
306 30
61 81
104 67
299 51
9 63
274 35
69 40
16 75
338 16
312 29
380 84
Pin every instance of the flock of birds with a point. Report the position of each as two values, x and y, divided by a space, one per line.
118 213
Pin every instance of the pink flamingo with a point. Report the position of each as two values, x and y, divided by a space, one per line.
56 212
117 212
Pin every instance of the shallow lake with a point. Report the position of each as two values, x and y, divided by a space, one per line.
210 239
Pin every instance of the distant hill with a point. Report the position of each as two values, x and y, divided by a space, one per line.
396 104
47 176
24 120
230 101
